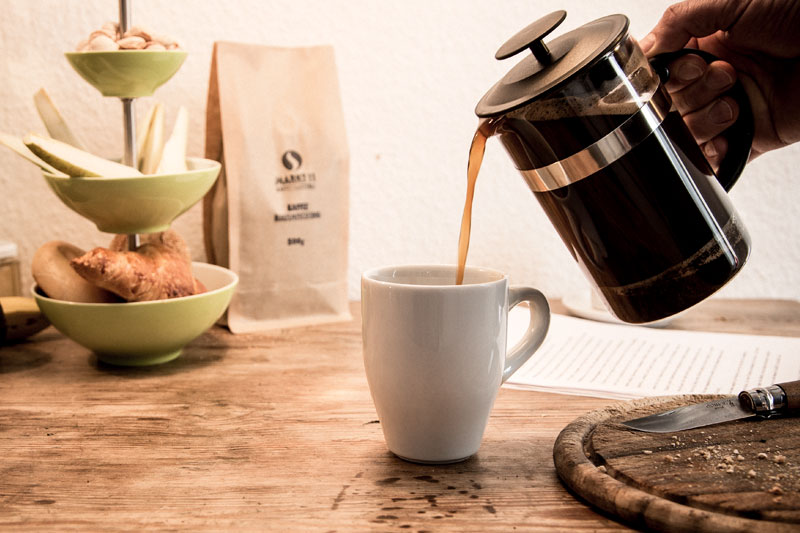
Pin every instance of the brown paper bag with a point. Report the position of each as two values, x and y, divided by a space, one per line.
278 214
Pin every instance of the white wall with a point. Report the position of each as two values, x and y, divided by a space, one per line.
411 73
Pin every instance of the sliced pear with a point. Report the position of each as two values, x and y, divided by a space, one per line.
142 132
16 144
75 162
56 125
153 145
173 157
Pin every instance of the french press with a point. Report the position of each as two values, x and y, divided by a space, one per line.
589 125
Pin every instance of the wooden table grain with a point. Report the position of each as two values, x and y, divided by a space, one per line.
276 432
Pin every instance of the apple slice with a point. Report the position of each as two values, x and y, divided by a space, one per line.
75 162
173 158
16 144
56 125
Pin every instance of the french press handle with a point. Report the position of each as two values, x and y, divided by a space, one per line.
739 135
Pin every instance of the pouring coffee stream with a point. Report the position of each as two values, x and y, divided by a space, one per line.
476 151
588 123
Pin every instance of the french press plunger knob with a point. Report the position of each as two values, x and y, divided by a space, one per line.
531 37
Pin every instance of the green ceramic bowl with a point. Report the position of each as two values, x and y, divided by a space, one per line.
127 73
141 204
143 333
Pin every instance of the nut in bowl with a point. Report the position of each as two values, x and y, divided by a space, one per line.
137 204
127 73
143 333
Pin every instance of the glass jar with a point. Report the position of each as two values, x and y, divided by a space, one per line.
10 283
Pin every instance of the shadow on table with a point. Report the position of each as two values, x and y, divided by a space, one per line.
20 357
191 359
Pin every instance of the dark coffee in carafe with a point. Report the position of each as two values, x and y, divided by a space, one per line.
652 228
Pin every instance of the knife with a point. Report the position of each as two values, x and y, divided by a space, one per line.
761 402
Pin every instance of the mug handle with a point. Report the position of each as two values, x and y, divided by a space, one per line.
740 134
537 327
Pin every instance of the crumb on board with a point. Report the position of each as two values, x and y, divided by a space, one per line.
776 489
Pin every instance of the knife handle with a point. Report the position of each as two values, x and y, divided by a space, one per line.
769 401
792 391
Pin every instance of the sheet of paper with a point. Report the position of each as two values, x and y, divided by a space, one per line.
591 358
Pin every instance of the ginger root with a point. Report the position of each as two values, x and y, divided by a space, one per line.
160 268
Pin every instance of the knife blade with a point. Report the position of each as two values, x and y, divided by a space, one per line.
762 402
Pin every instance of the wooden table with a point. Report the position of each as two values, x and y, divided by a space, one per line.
275 432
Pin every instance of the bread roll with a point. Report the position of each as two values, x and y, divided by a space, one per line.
57 279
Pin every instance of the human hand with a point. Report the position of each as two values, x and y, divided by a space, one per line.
757 41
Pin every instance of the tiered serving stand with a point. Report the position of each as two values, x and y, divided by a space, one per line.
137 333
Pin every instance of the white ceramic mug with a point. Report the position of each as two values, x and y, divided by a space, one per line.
435 354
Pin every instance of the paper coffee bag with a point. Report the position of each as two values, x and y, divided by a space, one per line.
278 214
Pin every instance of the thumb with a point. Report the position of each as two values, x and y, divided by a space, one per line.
691 18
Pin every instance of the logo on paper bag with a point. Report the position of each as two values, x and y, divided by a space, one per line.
291 160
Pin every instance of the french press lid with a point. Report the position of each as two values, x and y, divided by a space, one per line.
551 64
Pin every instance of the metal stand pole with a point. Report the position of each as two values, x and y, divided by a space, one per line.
124 16
129 114
130 132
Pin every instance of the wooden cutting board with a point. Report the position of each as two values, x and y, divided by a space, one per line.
741 476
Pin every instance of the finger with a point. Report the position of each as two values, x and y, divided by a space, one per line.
691 18
685 70
718 78
711 120
715 151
